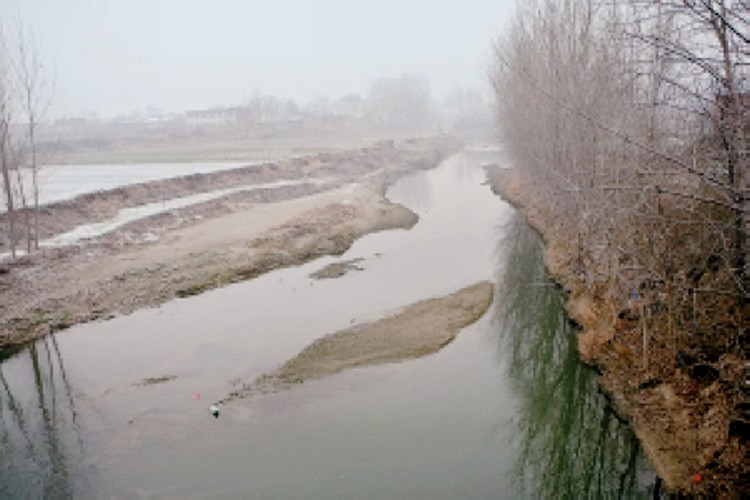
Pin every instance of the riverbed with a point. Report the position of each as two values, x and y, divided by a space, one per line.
120 408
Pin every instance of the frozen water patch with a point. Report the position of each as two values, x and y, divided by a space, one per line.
128 215
64 182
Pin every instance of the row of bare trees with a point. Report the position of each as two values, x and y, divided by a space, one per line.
630 118
401 104
24 97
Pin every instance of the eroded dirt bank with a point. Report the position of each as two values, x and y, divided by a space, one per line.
183 252
420 329
682 423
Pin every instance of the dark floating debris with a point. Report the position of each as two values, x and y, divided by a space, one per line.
155 380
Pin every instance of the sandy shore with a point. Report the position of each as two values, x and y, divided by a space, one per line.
418 330
682 427
184 252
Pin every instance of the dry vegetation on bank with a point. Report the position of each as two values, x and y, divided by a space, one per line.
626 124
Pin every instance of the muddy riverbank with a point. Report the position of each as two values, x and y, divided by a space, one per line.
183 252
682 423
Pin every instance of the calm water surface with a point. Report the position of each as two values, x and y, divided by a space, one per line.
63 182
505 411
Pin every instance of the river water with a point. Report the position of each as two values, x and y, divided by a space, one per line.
120 408
63 182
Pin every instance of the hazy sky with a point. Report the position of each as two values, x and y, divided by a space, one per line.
115 56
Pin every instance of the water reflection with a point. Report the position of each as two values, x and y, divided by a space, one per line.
571 444
38 424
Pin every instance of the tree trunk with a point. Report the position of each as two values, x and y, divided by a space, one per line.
11 208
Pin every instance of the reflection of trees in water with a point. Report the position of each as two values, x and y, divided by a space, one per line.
420 190
38 424
572 445
414 190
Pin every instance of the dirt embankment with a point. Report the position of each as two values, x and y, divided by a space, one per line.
420 329
681 422
184 252
339 168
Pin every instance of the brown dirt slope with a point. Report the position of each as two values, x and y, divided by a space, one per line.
682 422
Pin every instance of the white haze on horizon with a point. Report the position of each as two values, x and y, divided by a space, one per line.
114 57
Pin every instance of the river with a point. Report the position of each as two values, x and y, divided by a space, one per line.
120 408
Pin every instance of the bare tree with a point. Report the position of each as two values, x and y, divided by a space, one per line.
24 98
7 96
628 123
708 82
36 96
402 104
629 119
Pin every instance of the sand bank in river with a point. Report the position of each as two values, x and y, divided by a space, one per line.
418 330
187 251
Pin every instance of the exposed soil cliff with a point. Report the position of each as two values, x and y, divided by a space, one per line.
686 421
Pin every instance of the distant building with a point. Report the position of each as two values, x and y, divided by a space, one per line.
211 117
